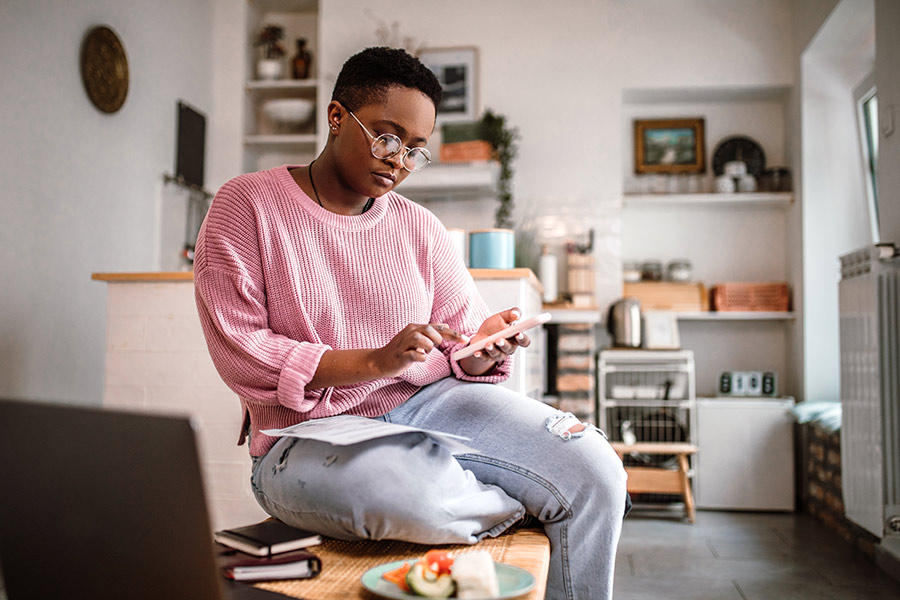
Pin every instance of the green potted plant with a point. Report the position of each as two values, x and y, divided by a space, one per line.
503 139
269 65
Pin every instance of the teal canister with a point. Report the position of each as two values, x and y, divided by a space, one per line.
492 249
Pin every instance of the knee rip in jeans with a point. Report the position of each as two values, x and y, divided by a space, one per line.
568 427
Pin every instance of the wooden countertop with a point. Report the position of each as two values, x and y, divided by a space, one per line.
146 277
523 273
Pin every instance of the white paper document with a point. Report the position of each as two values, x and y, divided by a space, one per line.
344 430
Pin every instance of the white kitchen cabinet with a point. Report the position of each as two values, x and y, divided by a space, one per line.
652 390
746 457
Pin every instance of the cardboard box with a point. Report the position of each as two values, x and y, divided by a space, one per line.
472 151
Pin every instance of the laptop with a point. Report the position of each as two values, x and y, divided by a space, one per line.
105 504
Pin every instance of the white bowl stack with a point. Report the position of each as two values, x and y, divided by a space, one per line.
289 114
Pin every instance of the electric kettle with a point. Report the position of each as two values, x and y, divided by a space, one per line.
624 323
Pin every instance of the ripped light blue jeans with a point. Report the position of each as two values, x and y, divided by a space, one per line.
409 488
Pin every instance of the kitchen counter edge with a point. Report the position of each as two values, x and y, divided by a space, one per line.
144 277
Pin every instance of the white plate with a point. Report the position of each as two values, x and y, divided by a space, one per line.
514 581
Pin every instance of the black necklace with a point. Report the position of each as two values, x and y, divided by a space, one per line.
369 202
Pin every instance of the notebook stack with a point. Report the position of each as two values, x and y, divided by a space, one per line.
268 551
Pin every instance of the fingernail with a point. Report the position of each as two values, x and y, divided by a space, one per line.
489 347
501 344
516 314
477 355
520 336
421 350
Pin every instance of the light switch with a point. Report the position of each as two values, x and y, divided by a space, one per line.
887 120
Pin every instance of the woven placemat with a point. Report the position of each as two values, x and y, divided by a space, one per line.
343 563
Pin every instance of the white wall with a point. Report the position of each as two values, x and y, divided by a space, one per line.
81 190
835 219
887 75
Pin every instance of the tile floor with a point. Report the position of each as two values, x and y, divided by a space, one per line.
742 556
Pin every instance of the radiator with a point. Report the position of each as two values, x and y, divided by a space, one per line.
869 303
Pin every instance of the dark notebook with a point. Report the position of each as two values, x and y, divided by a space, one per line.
267 538
299 564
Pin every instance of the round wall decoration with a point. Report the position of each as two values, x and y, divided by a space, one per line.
742 148
104 69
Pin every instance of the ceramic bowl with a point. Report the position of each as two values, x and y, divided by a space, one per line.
289 112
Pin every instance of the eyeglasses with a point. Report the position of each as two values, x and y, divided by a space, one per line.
387 145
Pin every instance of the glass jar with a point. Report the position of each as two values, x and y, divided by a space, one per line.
651 270
631 271
775 179
679 270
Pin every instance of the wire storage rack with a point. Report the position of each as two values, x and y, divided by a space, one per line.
647 396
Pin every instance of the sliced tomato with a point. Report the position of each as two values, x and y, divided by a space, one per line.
398 576
438 561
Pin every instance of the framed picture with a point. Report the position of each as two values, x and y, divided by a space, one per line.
457 70
669 146
661 331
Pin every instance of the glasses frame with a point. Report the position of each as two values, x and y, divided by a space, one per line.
390 136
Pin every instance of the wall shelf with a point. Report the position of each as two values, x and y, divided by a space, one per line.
262 90
281 84
451 180
281 142
731 316
268 143
759 199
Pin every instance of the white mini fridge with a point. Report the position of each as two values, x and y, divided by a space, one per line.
746 454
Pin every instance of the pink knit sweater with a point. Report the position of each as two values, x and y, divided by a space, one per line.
279 280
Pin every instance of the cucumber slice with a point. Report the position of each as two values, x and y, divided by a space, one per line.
423 582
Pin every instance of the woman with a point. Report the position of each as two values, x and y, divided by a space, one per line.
322 292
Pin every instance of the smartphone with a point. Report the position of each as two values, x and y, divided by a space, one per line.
516 327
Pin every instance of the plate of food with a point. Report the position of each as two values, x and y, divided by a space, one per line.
439 574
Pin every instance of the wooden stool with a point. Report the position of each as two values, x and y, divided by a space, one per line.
343 563
654 480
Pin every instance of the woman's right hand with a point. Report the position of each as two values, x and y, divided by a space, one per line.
412 345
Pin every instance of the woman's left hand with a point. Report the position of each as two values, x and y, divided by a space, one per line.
484 360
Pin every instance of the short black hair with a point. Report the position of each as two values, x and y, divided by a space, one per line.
367 76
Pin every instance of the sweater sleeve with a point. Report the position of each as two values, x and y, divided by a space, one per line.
254 361
458 303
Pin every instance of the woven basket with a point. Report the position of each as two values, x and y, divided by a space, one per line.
742 296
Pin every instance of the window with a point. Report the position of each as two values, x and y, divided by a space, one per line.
867 114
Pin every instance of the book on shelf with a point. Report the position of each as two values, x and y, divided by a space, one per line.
267 538
299 564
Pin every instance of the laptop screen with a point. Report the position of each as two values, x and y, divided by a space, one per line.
102 504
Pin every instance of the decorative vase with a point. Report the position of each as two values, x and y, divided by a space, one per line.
301 65
268 68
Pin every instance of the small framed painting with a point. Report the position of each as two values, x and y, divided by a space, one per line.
661 331
669 146
457 70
